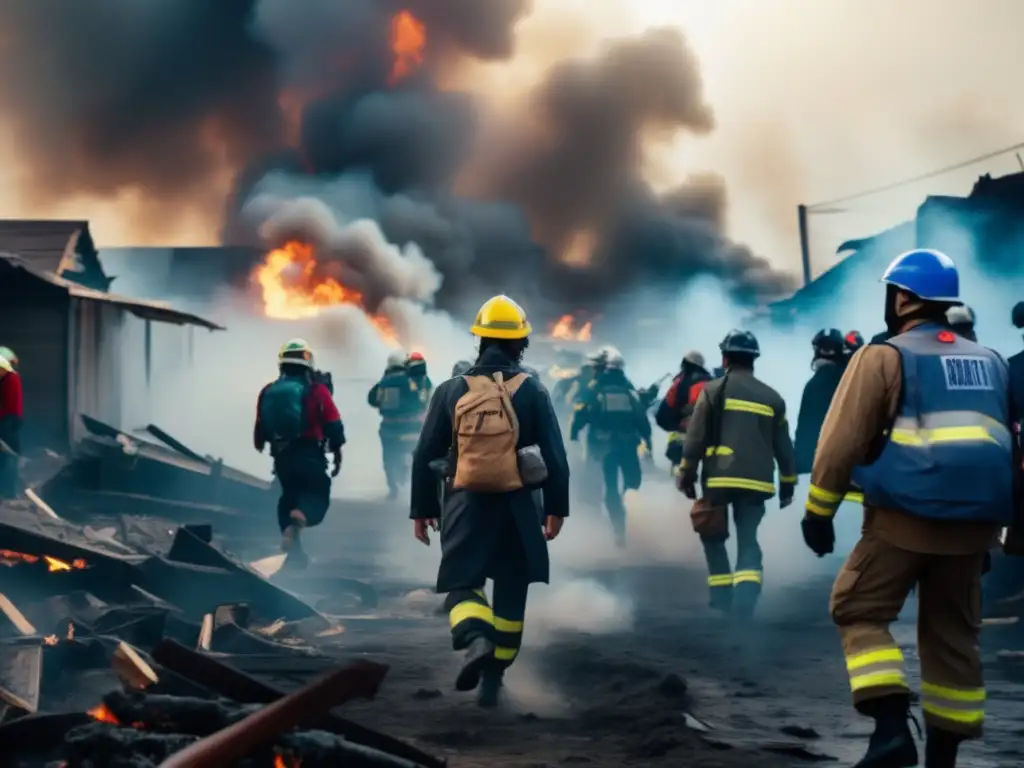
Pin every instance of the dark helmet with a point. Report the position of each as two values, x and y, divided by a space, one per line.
853 341
1018 315
461 367
828 342
740 342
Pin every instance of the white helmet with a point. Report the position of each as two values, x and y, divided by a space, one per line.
296 352
614 359
396 359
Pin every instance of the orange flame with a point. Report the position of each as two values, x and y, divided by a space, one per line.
291 762
53 564
103 714
292 290
408 39
565 328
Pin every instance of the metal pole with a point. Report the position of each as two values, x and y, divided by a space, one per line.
149 352
805 247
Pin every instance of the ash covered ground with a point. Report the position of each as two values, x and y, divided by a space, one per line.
635 692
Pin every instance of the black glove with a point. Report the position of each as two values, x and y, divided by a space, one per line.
688 486
336 469
786 494
819 534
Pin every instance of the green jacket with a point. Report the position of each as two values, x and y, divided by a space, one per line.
752 439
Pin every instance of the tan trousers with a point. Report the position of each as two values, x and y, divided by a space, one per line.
867 597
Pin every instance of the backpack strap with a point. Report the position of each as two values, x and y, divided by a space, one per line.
505 392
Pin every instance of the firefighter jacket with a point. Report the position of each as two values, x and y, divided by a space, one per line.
953 424
865 406
398 399
813 406
613 414
676 407
749 420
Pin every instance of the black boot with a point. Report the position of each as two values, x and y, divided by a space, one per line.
941 748
488 695
479 655
892 744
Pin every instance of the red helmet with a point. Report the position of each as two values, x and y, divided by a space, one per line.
415 357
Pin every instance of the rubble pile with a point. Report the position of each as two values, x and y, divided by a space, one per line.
134 644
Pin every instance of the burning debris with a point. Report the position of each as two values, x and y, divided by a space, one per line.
408 40
566 328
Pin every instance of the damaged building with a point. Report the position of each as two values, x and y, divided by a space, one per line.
982 232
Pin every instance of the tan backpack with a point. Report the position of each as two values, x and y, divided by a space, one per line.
486 432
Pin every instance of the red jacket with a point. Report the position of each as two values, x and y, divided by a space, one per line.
12 402
323 421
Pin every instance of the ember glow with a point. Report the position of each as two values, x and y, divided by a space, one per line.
292 289
53 564
408 40
103 714
566 328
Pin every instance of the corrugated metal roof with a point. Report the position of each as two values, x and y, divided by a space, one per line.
47 245
159 311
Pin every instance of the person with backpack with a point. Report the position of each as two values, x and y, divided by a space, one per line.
495 429
401 405
738 432
297 418
617 428
828 363
674 410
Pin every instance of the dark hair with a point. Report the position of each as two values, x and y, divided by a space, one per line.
513 349
295 369
739 360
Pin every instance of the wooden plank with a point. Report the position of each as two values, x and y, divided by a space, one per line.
16 617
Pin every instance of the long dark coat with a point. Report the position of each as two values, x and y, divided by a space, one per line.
479 530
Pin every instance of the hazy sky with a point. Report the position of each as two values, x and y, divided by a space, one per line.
814 99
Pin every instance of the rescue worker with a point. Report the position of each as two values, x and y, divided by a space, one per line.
1016 361
676 407
297 417
923 423
460 368
11 420
499 535
828 362
400 403
960 319
739 432
416 367
853 341
617 432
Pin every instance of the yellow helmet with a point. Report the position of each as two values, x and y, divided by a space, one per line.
501 318
296 352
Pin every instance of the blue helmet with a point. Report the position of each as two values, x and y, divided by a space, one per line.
928 274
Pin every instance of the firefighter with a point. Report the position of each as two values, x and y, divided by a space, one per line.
562 374
400 403
960 319
923 423
618 431
11 420
676 407
296 416
416 367
852 341
828 362
497 535
739 431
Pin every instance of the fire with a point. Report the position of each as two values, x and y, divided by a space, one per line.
103 714
292 289
290 762
408 39
565 328
53 564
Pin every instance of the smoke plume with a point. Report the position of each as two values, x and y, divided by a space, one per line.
339 101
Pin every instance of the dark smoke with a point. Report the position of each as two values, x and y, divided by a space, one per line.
110 95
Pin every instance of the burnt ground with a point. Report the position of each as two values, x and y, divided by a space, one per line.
679 687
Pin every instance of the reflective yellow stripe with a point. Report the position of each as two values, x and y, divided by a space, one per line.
881 667
469 610
749 406
855 496
817 509
958 705
718 450
720 580
741 483
505 654
922 437
788 479
579 406
676 437
746 576
504 625
974 695
821 495
966 717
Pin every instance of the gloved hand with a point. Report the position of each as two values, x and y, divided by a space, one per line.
819 534
687 485
786 494
336 469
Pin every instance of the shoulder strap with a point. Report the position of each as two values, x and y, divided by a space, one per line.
513 384
505 395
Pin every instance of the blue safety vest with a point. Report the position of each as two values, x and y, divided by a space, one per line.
949 454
